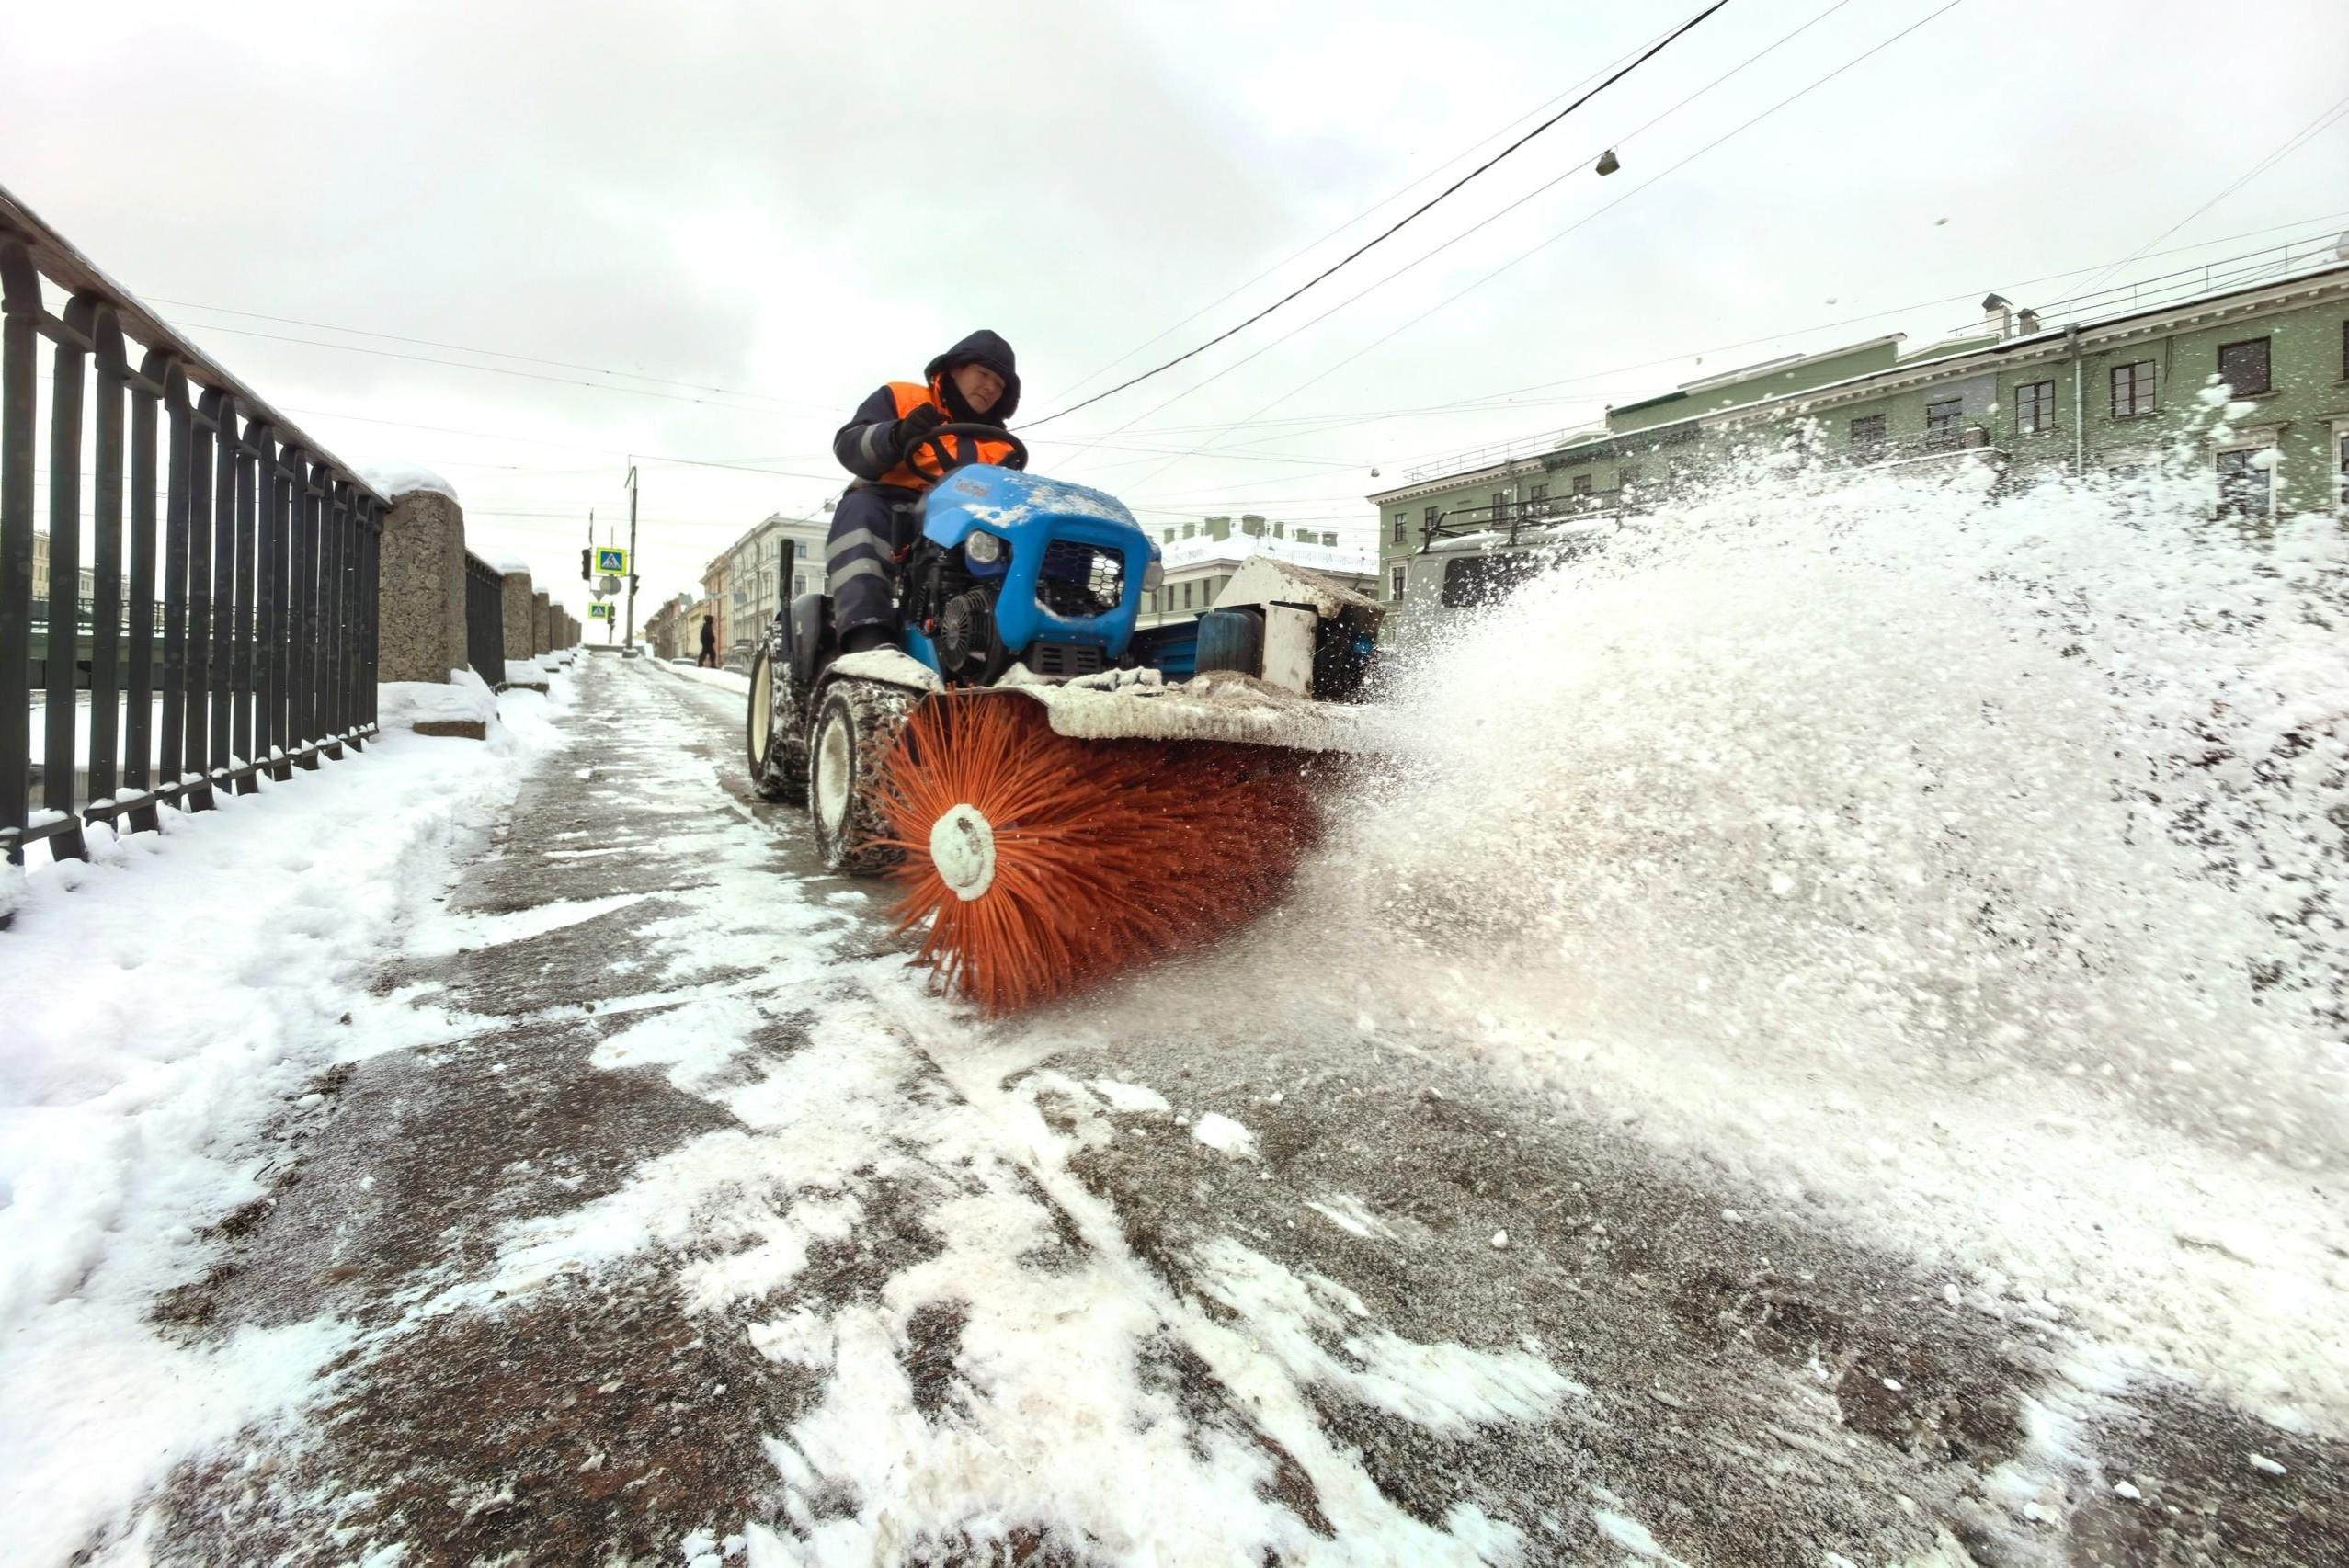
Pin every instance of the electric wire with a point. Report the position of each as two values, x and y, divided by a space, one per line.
2291 145
470 349
1524 255
1307 249
1570 172
1400 223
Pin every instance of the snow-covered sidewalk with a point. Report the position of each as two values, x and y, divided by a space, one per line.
165 1002
646 1209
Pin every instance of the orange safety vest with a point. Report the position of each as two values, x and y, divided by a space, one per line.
926 469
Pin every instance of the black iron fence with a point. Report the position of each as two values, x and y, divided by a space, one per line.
231 561
484 620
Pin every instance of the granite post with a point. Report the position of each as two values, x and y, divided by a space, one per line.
420 612
541 624
518 604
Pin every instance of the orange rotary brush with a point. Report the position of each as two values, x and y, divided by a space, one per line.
1045 864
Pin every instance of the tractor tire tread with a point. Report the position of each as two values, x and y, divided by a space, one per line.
876 713
779 774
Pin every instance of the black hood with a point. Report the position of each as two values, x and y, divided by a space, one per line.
982 347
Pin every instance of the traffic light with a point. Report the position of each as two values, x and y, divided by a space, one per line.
632 582
587 558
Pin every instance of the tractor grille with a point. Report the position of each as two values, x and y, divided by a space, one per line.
1066 659
1078 580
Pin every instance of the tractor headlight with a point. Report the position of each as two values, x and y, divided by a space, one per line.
982 548
1152 575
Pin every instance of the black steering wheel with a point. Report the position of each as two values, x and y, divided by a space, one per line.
947 464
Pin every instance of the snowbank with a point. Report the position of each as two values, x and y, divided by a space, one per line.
392 480
165 1002
464 698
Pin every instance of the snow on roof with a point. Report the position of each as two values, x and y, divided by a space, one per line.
1354 560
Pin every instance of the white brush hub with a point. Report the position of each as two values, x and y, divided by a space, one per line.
962 845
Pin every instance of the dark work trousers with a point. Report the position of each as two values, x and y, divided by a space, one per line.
870 528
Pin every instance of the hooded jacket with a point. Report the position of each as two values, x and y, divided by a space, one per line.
867 444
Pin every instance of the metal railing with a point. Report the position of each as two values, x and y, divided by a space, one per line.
1511 524
1475 458
484 620
2270 264
247 644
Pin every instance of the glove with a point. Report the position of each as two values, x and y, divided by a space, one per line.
914 426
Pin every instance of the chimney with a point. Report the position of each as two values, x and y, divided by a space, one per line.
2027 321
1998 316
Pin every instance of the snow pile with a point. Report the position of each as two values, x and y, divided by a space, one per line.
1221 1134
463 697
1967 867
392 480
163 1002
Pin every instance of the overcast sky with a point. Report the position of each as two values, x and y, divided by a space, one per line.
795 204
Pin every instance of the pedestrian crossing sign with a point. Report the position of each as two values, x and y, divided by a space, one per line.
612 561
600 611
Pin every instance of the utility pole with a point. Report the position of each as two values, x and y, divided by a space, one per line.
629 640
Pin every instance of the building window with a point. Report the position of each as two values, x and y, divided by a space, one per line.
1501 506
1538 503
2132 390
1398 527
2035 407
1941 421
1186 595
2244 482
1395 580
2243 367
2340 473
1435 515
1867 433
1629 475
1583 485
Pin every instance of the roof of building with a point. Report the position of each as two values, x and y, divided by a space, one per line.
1933 360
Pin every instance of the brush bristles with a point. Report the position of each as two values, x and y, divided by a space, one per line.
1108 854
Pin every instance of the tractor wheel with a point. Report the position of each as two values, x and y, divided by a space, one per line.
856 723
778 741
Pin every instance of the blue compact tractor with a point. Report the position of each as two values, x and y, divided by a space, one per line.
1034 586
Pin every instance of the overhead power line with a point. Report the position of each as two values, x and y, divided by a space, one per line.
1392 229
1521 256
1308 248
1481 223
2292 144
197 327
470 349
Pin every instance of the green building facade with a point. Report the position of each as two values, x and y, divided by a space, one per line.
2107 394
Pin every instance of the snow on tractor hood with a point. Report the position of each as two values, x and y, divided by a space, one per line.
1141 705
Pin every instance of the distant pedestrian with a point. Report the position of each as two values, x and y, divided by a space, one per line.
709 658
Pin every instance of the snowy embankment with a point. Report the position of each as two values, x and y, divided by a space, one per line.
165 1001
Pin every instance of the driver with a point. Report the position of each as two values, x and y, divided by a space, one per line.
972 383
